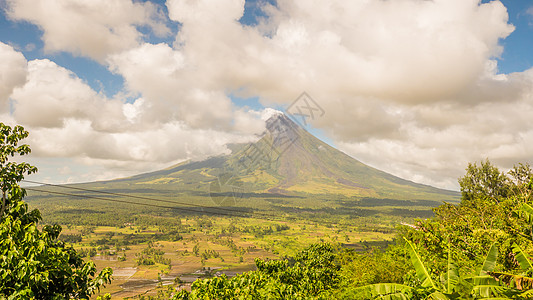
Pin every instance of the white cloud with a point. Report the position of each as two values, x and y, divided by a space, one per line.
171 142
174 88
67 119
90 28
408 86
54 94
205 11
401 51
12 73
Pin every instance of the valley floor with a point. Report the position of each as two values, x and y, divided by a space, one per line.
147 258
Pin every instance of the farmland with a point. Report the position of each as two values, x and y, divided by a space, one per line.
145 258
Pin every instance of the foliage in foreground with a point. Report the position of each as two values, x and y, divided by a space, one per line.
310 274
34 264
478 249
473 250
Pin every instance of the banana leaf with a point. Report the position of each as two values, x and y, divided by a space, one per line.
525 263
386 291
452 276
437 296
519 282
490 260
527 212
421 271
487 291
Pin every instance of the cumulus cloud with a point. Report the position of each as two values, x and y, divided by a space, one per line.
167 144
54 94
438 155
12 73
173 87
205 11
403 51
67 118
89 28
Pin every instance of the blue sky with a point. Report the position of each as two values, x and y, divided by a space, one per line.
517 55
411 99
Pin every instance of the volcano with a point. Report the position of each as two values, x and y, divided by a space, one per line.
286 161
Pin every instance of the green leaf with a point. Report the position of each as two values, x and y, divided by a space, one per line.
490 260
452 277
487 291
386 291
527 212
437 296
520 282
420 269
525 263
389 288
482 280
397 296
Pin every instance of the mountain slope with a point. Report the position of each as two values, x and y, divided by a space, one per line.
287 161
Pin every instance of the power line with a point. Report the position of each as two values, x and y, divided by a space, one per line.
252 215
131 202
145 198
224 211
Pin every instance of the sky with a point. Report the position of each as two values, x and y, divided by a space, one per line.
416 88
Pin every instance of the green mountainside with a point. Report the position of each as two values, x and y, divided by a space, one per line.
287 160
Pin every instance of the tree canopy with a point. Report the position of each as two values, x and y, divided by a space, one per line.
34 264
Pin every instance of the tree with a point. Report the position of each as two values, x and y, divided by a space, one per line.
484 181
487 214
494 213
10 172
35 264
312 274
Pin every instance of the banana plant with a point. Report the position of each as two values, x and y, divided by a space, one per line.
451 278
518 284
484 285
488 284
394 291
521 282
386 291
526 212
523 261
